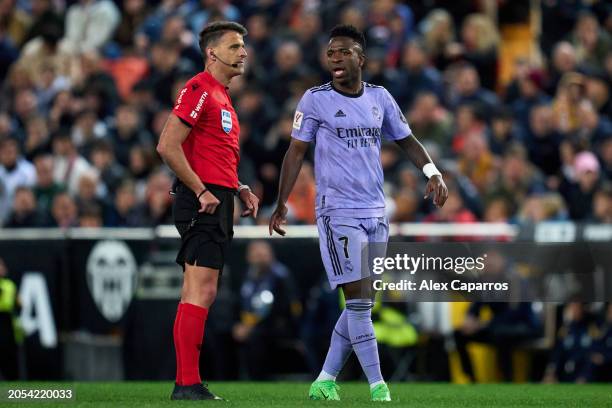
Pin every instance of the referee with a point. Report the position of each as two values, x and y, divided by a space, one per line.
199 143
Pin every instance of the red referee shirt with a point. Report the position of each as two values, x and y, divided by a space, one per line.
211 147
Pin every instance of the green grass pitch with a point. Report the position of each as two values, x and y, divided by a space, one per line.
293 394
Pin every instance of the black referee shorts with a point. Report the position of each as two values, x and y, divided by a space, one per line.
205 238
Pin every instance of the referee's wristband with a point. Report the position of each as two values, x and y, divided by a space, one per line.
202 192
243 187
430 170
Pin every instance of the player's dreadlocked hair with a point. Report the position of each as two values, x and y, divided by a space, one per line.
350 32
213 31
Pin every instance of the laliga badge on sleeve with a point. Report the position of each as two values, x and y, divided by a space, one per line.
297 120
226 120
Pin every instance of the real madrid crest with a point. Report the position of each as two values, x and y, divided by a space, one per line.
226 120
375 113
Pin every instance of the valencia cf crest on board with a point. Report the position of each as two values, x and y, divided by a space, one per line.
226 120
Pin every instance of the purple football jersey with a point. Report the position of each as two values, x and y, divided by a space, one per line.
348 131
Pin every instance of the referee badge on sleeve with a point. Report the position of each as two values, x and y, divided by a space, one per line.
226 120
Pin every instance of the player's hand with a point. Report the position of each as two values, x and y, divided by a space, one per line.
250 201
436 186
208 203
279 217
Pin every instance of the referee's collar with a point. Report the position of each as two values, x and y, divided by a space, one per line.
210 77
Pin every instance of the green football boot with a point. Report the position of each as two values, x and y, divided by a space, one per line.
380 393
324 390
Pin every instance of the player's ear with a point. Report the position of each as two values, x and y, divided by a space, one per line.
361 59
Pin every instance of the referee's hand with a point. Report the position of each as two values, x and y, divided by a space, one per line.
208 203
278 218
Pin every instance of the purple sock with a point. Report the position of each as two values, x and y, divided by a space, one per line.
339 348
363 340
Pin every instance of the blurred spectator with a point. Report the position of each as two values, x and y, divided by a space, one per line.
45 188
543 141
89 25
43 16
598 92
133 14
569 360
112 94
287 69
128 133
466 89
207 8
374 70
406 202
37 138
591 42
257 108
301 202
530 95
599 363
564 60
592 128
17 21
103 159
164 70
8 51
9 305
64 211
415 76
25 213
157 206
439 33
86 131
503 132
269 309
87 195
479 42
309 36
498 209
69 165
96 85
15 171
470 118
430 121
517 177
579 192
141 167
565 105
604 151
542 207
476 161
602 205
123 211
510 324
90 215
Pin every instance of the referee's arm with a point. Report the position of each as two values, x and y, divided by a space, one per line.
169 148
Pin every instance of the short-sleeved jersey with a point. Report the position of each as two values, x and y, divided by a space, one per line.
212 147
348 131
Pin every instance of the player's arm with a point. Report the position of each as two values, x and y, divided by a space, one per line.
170 149
420 158
292 163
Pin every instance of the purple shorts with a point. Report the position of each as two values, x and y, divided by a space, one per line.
344 246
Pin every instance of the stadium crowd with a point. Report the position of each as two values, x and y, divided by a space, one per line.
87 86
